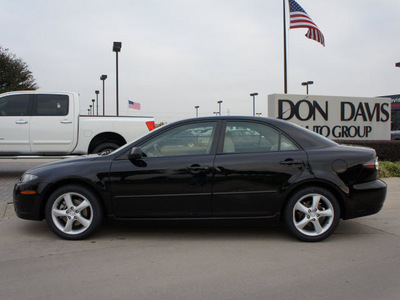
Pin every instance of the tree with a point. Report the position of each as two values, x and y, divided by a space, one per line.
14 73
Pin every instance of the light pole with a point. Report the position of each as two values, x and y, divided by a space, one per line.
254 102
103 78
97 101
90 109
219 104
197 110
307 83
117 48
93 105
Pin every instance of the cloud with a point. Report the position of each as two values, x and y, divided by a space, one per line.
180 53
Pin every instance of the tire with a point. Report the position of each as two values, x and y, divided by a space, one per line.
312 214
105 148
73 212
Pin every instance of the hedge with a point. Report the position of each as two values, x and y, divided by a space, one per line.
386 150
389 169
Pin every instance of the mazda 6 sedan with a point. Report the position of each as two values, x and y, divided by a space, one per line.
277 171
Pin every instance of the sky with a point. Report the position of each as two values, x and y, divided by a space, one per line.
178 54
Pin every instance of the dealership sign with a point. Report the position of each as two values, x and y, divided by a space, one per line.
335 117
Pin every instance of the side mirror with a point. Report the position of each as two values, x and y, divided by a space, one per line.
136 153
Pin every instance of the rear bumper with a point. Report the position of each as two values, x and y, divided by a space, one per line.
365 199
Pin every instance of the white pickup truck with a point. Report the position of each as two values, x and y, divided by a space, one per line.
49 124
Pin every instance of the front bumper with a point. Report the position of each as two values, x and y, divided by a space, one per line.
365 199
27 206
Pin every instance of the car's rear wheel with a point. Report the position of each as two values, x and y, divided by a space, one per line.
73 212
312 214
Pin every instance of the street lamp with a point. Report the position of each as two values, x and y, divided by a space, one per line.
93 105
103 78
254 102
307 83
398 64
97 100
219 104
197 110
90 109
117 48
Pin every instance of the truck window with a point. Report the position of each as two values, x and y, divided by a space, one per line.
14 105
52 105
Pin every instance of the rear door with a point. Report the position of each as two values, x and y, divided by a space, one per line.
14 123
52 127
254 164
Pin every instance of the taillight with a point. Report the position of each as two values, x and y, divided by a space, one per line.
151 125
372 164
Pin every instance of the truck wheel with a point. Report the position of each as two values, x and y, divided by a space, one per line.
73 212
105 148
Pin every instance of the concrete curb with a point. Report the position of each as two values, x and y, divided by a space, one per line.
7 211
3 208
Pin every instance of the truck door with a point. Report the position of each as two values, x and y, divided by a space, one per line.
52 127
14 124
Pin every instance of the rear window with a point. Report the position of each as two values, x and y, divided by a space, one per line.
307 138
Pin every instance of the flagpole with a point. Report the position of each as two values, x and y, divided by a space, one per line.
284 48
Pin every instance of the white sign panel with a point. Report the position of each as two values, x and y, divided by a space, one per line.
335 117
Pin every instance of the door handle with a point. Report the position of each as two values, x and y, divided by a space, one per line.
197 168
290 162
21 122
65 121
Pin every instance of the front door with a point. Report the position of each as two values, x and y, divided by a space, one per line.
14 124
172 179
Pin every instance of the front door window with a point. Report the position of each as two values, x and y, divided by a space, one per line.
191 139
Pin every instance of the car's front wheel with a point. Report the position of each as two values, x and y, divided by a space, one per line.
73 212
312 214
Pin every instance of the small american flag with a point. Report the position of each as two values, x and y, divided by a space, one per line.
300 19
134 105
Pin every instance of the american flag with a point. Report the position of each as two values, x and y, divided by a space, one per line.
300 19
134 105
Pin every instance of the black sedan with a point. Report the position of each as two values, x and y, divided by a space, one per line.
276 171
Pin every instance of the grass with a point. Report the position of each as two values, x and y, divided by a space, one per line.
389 169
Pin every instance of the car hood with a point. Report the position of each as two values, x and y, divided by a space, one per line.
63 162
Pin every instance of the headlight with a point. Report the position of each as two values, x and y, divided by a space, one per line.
27 178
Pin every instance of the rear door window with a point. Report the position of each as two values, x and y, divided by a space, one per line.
243 137
52 105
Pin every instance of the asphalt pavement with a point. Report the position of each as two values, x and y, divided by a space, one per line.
361 260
